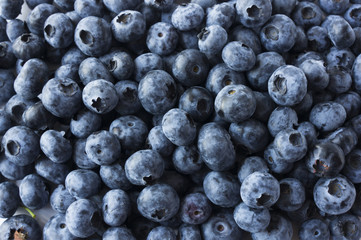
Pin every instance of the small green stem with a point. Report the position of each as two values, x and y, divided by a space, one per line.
30 212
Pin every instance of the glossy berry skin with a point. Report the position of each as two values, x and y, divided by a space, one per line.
82 183
187 16
250 219
118 233
325 159
60 199
115 207
235 103
56 226
250 165
37 17
179 127
287 85
346 226
79 156
279 227
221 14
100 96
103 147
144 166
212 39
162 232
21 145
327 116
158 202
91 69
335 195
114 177
252 135
351 15
162 38
253 13
190 67
55 146
157 141
85 122
267 193
186 159
340 39
128 102
145 63
316 73
59 30
31 79
83 218
315 229
128 25
131 132
33 192
24 225
9 199
221 226
238 56
292 195
278 34
119 63
68 71
93 36
51 171
247 36
290 144
215 147
340 80
221 188
61 97
28 45
85 8
195 208
157 92
275 161
307 14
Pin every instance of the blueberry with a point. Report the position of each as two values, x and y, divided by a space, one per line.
7 57
195 208
131 132
340 79
334 195
5 122
188 39
190 232
64 5
186 159
15 28
31 79
129 102
251 135
260 190
12 171
86 8
21 145
351 102
307 14
315 229
253 13
117 6
144 166
93 36
190 67
351 15
292 195
338 37
61 97
215 147
316 74
56 226
282 118
158 202
275 161
346 138
352 166
145 63
346 226
9 199
221 188
55 146
278 228
114 177
161 232
238 56
220 76
91 69
33 192
251 219
340 57
308 130
187 16
325 159
60 199
119 63
278 34
250 165
290 144
100 96
68 71
83 183
10 9
334 7
7 86
51 171
115 207
221 226
73 56
264 106
157 92
157 141
83 218
162 38
212 39
246 36
59 30
222 14
318 39
28 45
118 233
20 226
37 17
102 147
327 116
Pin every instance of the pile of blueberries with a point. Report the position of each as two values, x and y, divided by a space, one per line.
163 120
